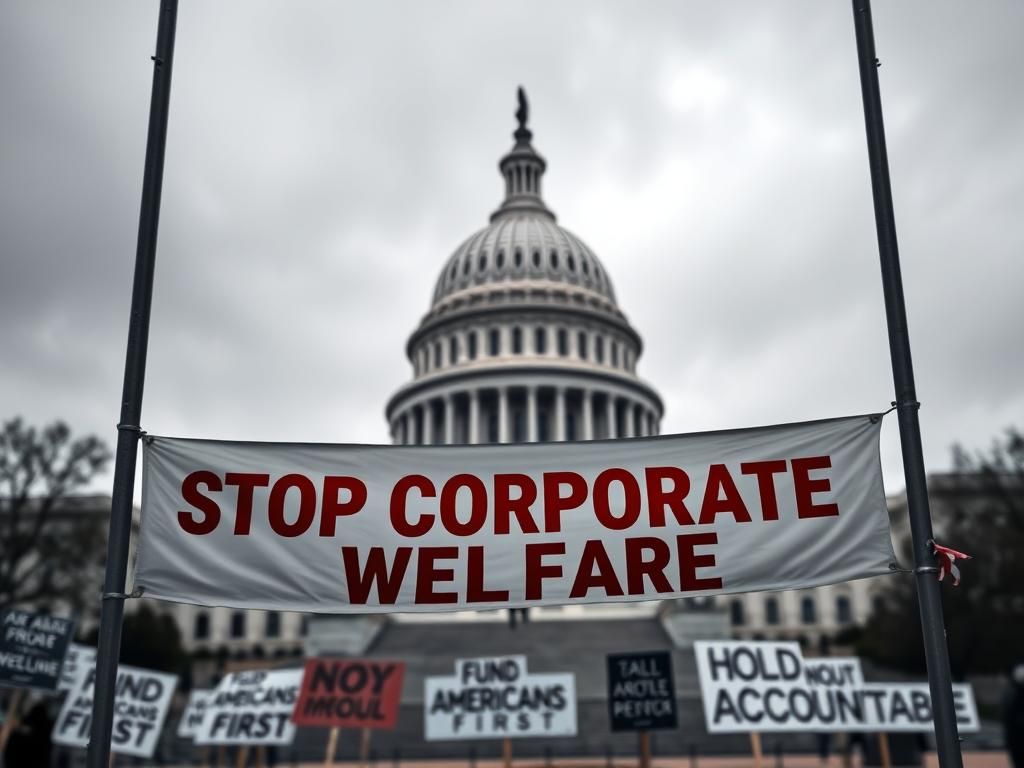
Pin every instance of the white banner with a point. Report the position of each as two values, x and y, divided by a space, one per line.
79 660
362 529
192 716
141 700
251 708
494 697
769 686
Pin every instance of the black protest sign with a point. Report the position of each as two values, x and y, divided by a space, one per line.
32 648
641 691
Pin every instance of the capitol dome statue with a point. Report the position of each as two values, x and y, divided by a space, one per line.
524 340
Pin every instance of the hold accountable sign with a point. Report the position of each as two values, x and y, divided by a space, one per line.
335 528
769 686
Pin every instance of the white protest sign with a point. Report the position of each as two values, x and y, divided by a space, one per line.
363 529
141 700
905 708
769 686
192 716
79 660
252 708
833 672
495 697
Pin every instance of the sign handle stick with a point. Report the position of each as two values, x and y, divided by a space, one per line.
128 430
261 756
947 740
12 712
222 756
645 749
755 747
242 757
883 749
364 748
332 747
506 752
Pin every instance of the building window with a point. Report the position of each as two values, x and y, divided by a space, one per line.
540 341
844 612
599 349
586 267
563 342
517 341
771 610
493 435
570 426
519 258
437 354
501 259
615 354
581 343
543 426
494 342
572 262
483 262
554 259
736 614
808 611
201 629
471 343
453 350
536 258
465 266
272 628
304 626
238 624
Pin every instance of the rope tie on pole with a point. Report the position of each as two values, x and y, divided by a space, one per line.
135 593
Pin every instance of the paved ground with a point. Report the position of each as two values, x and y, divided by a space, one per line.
971 760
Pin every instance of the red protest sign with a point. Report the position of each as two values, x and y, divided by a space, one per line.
350 693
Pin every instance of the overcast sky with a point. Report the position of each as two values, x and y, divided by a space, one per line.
324 159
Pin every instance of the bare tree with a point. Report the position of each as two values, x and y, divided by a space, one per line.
977 508
51 542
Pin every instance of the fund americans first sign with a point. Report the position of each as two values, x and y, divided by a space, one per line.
345 528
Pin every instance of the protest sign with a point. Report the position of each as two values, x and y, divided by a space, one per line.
141 700
78 661
641 691
350 693
362 529
252 708
192 716
32 648
769 686
495 697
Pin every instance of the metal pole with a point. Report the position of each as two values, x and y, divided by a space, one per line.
128 432
936 654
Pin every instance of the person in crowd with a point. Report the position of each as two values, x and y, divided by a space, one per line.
29 743
1013 715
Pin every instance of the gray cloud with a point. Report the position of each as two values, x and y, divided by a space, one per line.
325 159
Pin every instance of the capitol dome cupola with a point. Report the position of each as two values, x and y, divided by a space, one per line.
522 168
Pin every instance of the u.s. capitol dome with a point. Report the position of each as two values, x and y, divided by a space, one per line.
524 340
